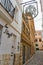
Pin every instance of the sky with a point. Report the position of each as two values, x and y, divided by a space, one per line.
38 19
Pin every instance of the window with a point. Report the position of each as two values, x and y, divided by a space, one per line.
37 48
35 40
35 34
36 44
40 40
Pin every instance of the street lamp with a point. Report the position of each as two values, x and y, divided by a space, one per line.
30 6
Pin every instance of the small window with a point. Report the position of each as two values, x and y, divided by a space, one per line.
37 48
36 44
35 34
40 40
35 40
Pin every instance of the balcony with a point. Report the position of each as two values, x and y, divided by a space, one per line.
7 5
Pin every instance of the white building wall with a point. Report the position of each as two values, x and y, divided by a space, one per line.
7 43
18 16
41 2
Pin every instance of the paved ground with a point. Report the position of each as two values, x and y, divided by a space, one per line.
37 59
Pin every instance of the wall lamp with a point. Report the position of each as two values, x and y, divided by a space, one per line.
30 6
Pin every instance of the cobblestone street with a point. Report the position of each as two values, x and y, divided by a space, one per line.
37 59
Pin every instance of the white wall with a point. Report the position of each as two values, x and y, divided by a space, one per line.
18 17
6 43
42 16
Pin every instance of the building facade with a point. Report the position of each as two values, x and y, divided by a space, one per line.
27 44
41 3
38 40
32 30
10 31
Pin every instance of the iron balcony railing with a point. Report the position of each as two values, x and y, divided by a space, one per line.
8 7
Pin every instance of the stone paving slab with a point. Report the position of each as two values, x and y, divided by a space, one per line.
37 59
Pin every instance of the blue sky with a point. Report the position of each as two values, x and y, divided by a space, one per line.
38 19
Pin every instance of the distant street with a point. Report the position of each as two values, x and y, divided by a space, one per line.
37 59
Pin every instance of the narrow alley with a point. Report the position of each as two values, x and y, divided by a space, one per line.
37 59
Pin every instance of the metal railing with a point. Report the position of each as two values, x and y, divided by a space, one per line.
8 6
